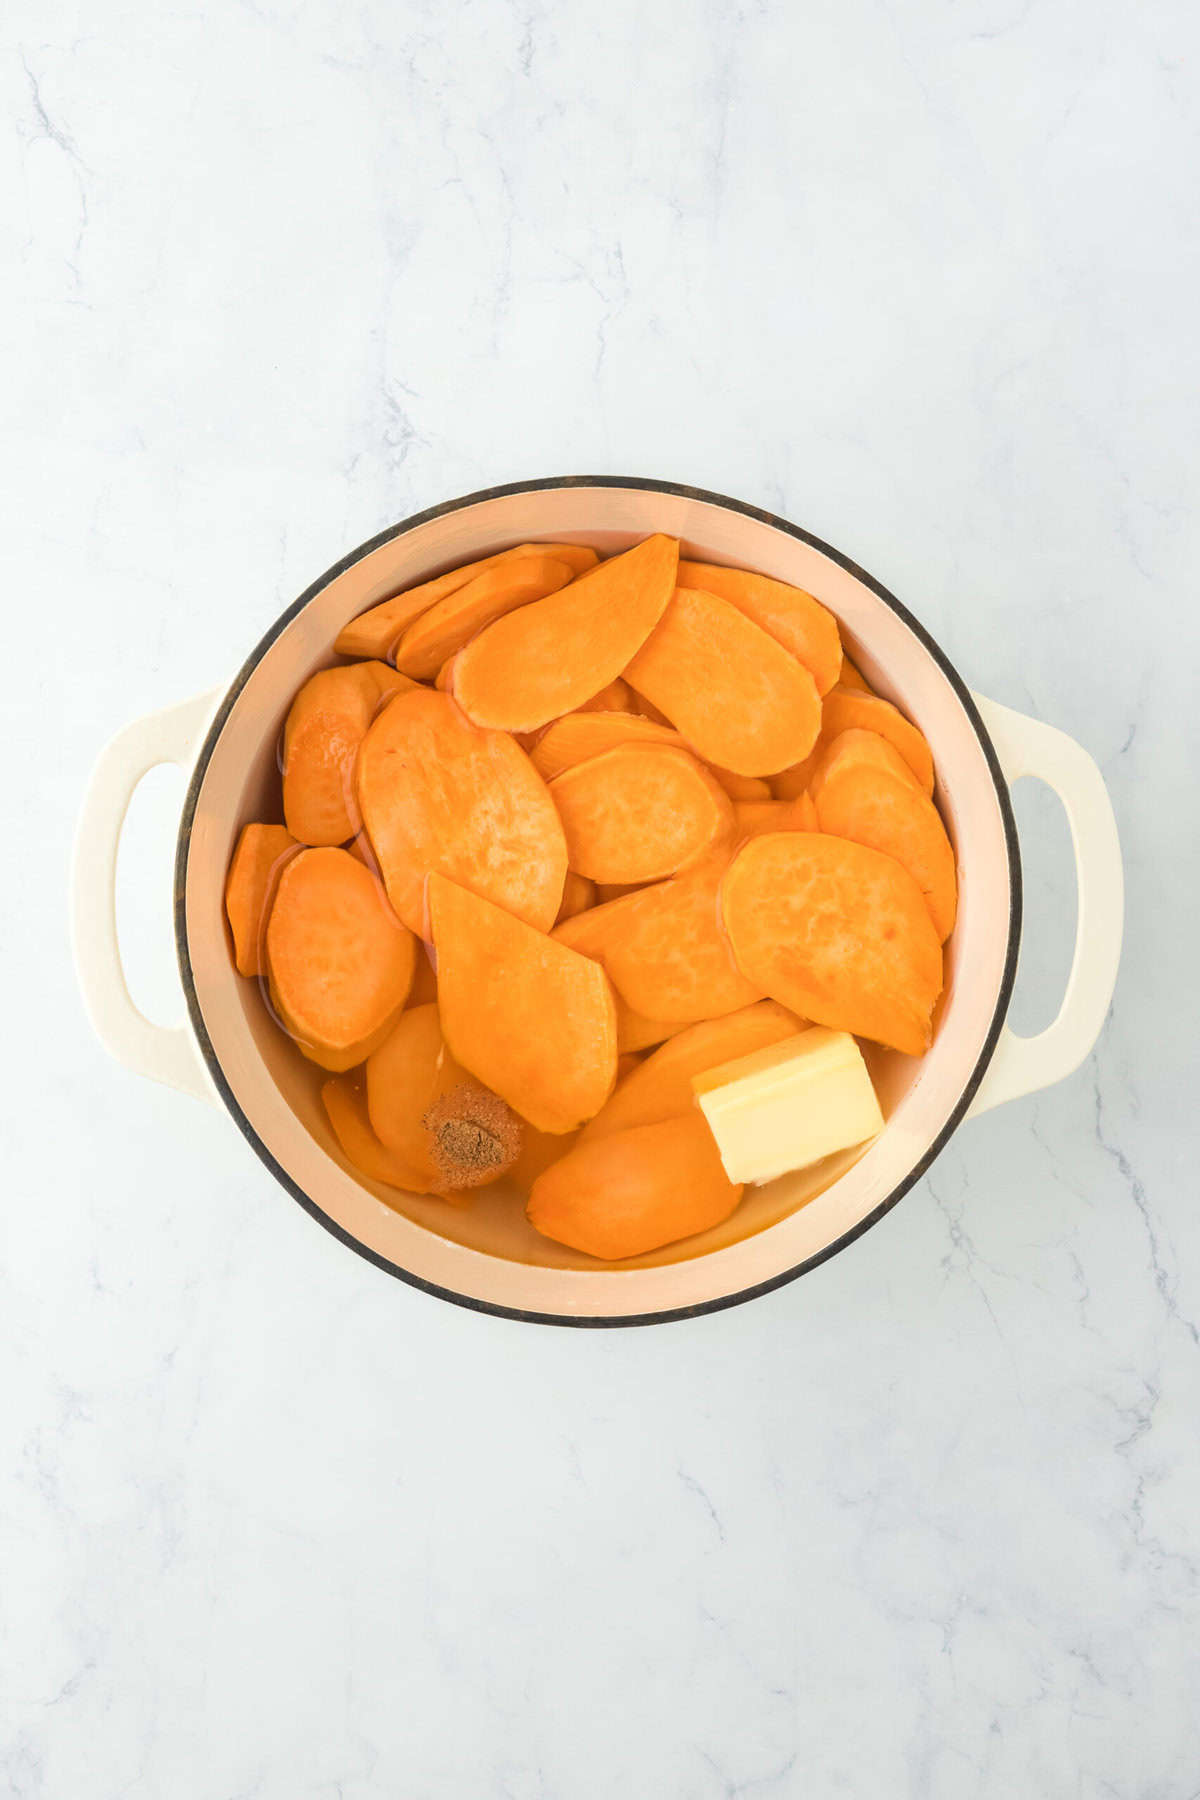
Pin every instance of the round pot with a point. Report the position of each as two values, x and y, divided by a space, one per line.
486 1255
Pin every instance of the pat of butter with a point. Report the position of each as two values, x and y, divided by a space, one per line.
787 1106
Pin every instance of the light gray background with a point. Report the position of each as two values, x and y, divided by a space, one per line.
922 277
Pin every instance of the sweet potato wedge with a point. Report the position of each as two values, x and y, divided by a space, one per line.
548 658
340 962
637 1033
838 932
578 894
740 699
578 736
438 793
617 696
346 1106
865 790
664 947
441 632
661 1087
254 870
639 813
793 617
325 726
634 1191
377 631
531 1018
846 710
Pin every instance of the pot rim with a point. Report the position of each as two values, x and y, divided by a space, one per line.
1007 981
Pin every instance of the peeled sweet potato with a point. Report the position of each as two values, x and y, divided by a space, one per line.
634 1191
376 632
752 818
250 887
637 1033
538 1150
531 1018
578 736
852 677
617 696
838 932
555 654
436 792
661 1087
794 618
441 632
742 787
340 962
325 726
638 813
846 710
409 1072
664 948
740 699
865 790
346 1106
424 981
578 894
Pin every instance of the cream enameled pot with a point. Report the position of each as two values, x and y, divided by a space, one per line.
486 1255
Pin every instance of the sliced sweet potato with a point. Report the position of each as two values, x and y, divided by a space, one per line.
325 726
739 698
805 811
445 677
339 960
752 818
838 932
250 887
661 1087
531 1018
634 1191
664 947
853 677
742 787
794 618
436 792
578 736
578 894
617 696
424 981
634 1032
376 632
865 790
846 710
639 813
441 632
416 1093
616 890
548 658
346 1106
538 1150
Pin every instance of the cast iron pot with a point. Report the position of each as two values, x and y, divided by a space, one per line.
486 1255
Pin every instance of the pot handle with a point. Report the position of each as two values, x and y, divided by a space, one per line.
1022 1065
164 1053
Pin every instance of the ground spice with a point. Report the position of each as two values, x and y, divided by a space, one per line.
473 1136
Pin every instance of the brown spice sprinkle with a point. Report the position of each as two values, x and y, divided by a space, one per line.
474 1137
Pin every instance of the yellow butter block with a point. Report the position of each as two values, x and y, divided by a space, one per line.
787 1106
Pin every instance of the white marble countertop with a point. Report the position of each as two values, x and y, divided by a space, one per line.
925 280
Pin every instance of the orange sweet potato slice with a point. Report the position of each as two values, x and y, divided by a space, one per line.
578 736
664 948
853 677
634 1032
638 813
837 932
441 632
846 710
742 787
739 698
340 962
634 1191
578 894
436 792
346 1107
325 726
424 981
538 1150
794 618
377 631
661 1087
250 887
617 697
548 658
409 1071
753 818
865 790
531 1018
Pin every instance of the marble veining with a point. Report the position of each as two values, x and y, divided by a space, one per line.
923 278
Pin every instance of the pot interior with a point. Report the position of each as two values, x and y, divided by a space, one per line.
485 1250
